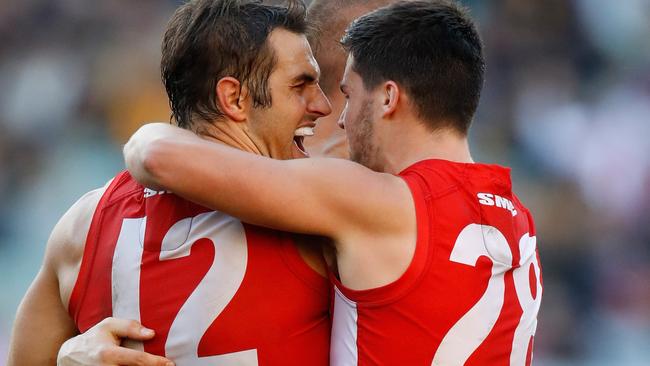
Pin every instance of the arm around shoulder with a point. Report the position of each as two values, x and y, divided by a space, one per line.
329 197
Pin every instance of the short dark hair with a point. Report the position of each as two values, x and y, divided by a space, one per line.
207 40
432 49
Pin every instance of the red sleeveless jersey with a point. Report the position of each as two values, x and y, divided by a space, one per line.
216 291
473 289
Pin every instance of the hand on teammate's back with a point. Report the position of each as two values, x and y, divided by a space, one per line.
100 345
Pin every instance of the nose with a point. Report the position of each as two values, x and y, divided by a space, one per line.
319 104
341 121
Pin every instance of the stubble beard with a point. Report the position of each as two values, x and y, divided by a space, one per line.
362 149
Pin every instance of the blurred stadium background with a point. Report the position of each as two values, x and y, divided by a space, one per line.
566 104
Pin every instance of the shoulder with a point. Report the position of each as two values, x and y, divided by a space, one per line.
66 244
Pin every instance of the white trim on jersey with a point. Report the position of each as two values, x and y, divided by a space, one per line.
344 351
125 274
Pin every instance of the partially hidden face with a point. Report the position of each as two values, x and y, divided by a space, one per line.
358 119
297 99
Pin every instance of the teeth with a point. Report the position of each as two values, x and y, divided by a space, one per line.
304 131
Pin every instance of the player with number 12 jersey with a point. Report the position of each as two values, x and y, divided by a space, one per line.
215 290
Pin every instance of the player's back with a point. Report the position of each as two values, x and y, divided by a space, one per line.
472 291
215 290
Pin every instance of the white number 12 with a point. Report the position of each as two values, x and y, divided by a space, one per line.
207 301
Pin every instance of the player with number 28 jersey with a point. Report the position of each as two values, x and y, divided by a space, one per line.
215 290
473 289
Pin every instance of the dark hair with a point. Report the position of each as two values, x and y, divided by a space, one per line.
431 48
207 40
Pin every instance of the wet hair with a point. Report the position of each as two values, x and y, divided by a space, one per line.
207 40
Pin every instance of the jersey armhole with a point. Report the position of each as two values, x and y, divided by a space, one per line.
419 263
90 248
297 265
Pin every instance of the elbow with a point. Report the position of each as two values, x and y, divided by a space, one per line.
145 162
150 158
153 163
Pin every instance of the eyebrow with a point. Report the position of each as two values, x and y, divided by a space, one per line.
304 77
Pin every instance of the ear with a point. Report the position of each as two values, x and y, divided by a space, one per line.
390 94
232 99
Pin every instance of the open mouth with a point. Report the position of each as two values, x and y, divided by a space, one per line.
299 140
299 137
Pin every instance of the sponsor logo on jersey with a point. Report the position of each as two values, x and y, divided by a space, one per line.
150 192
489 199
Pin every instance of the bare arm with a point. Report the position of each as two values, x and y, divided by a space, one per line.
330 197
42 311
42 321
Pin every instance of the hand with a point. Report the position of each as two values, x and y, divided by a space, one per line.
100 346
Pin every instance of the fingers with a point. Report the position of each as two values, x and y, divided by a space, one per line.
124 328
128 357
100 345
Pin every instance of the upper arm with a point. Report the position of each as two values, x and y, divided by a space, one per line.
42 322
67 241
330 197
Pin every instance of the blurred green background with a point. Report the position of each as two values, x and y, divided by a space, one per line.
566 104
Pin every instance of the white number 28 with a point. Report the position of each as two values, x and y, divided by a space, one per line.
470 331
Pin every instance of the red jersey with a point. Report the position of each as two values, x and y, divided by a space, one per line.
473 289
216 291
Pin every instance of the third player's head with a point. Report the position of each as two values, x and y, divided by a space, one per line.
417 60
246 64
329 19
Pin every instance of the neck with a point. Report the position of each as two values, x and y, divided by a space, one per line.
234 134
410 145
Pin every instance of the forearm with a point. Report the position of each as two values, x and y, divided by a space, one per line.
223 178
256 189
